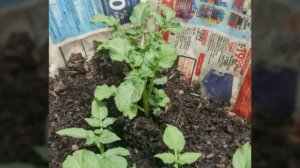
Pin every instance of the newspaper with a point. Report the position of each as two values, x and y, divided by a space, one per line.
71 31
214 50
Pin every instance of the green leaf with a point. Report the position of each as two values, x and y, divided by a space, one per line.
188 158
140 14
99 110
242 157
167 158
167 56
73 132
128 93
161 81
108 20
119 48
108 121
173 138
93 122
104 92
113 162
145 72
90 139
174 27
159 98
150 57
168 12
82 159
107 137
135 58
99 131
158 19
117 151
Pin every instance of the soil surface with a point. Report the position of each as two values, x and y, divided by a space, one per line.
207 125
23 99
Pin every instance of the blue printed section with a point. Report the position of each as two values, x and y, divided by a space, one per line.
218 85
70 18
232 17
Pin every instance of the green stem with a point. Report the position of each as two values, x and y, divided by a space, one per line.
132 67
102 149
176 157
140 108
147 92
146 101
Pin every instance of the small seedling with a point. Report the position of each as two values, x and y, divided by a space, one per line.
175 141
242 157
99 136
146 53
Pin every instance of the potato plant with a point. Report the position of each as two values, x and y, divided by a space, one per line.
242 157
98 136
175 141
147 55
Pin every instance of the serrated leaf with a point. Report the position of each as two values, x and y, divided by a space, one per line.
107 137
81 159
158 19
150 57
104 92
73 132
167 56
99 110
108 20
168 12
128 93
161 81
174 138
119 49
242 157
140 14
159 98
145 72
108 121
93 122
188 158
113 162
117 151
167 158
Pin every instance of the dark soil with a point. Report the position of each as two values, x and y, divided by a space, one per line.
207 125
23 99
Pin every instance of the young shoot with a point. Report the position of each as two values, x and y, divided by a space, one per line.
98 136
175 141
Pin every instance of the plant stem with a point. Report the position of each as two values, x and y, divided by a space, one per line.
176 157
140 108
147 93
146 101
101 148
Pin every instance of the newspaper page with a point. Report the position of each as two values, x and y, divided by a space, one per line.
71 31
215 49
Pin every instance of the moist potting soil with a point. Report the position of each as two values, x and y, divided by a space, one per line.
207 125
